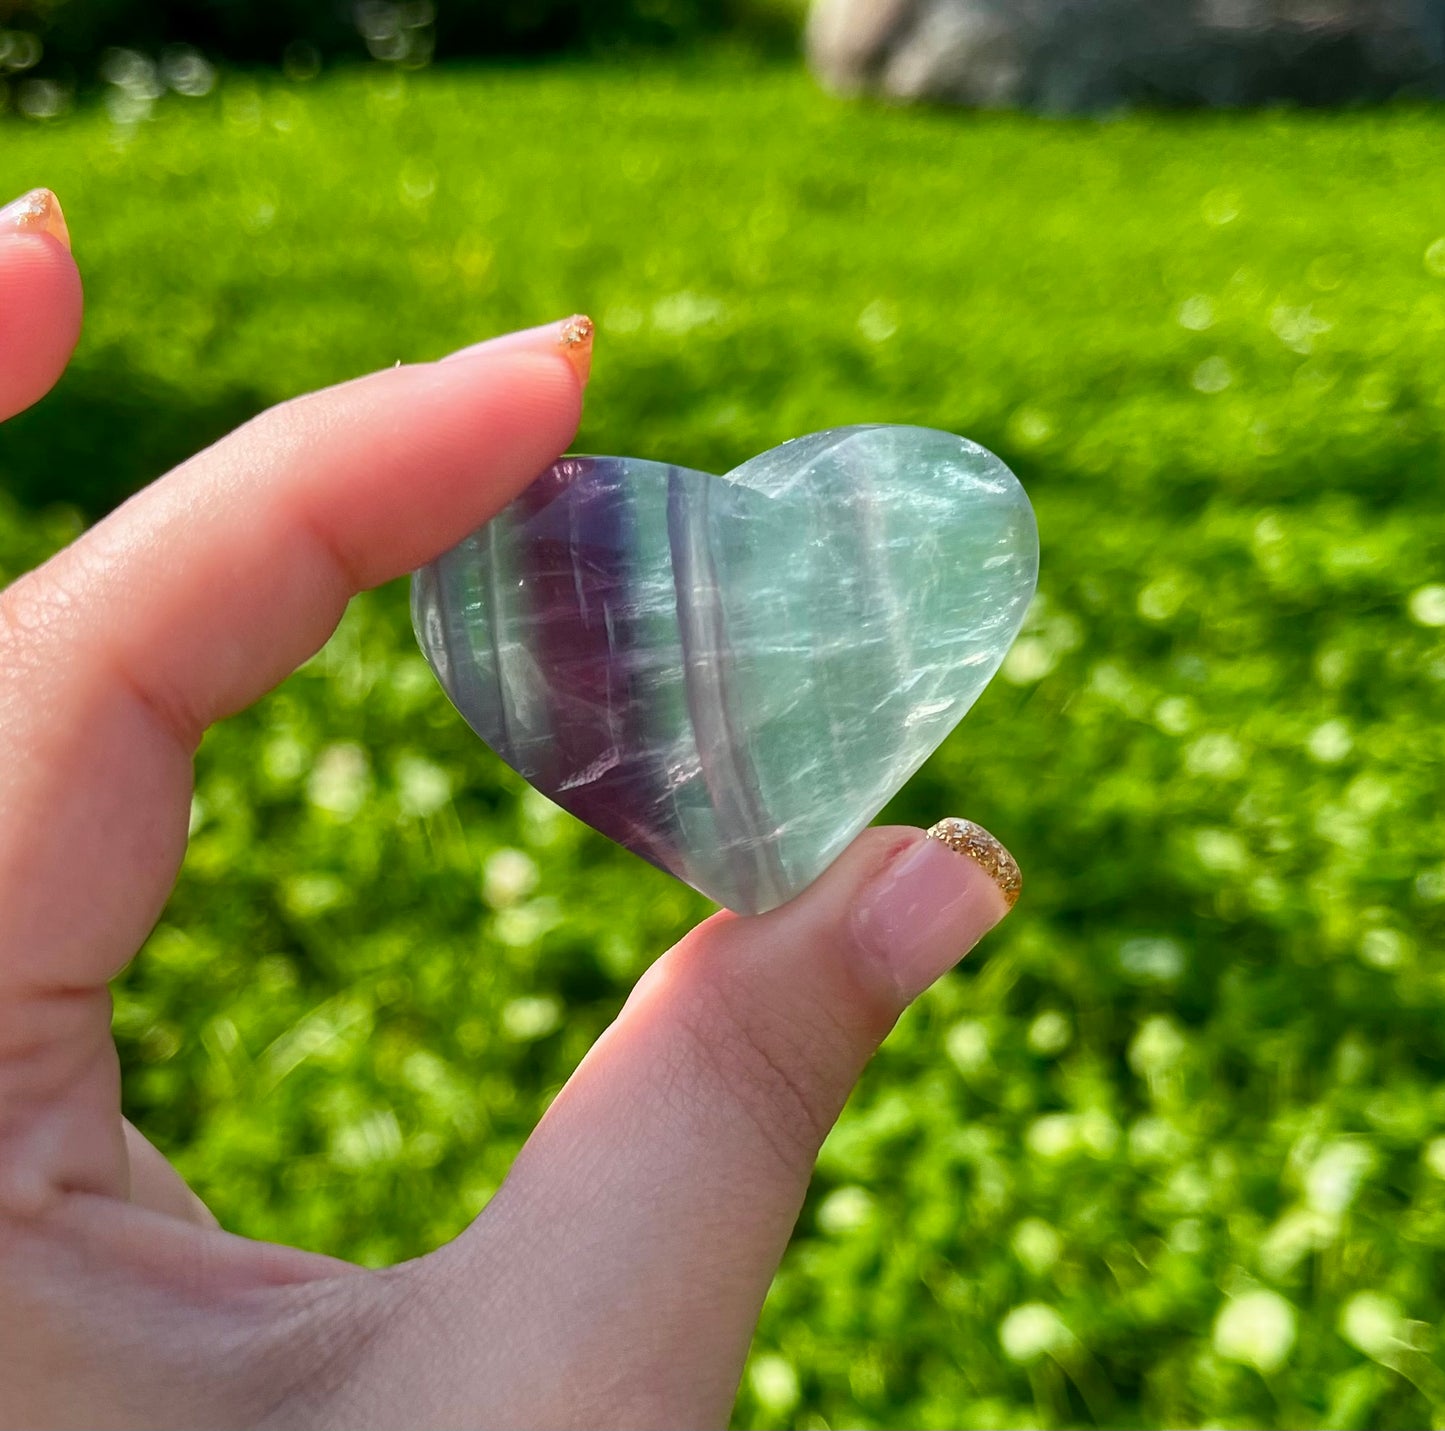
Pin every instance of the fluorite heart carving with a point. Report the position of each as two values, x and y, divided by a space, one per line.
732 675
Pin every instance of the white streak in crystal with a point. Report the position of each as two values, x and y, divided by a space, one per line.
683 771
927 712
595 771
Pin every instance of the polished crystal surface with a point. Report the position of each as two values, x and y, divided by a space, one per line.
732 675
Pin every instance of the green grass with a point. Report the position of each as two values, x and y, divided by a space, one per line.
1204 1060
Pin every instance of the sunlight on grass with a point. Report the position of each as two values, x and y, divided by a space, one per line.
1167 1150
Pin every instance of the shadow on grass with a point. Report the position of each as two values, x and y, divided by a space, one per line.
105 432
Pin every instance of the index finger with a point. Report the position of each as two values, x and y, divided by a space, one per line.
187 603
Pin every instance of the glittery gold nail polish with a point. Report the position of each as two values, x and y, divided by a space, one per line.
36 212
575 339
966 838
926 908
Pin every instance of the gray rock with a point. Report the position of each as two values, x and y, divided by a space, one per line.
1089 55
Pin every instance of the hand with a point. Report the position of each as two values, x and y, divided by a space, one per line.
615 1278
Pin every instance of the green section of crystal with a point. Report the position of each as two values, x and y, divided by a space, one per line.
867 602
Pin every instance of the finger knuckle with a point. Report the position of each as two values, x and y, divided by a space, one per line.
767 1066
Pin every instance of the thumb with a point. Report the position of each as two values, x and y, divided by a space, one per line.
653 1203
39 300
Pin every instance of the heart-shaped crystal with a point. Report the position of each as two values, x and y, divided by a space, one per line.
732 675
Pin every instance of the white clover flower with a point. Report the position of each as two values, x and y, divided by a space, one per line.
1256 1329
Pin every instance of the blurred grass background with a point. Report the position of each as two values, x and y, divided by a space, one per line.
1168 1150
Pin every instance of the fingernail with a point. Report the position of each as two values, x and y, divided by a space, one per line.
575 340
928 908
36 212
572 337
